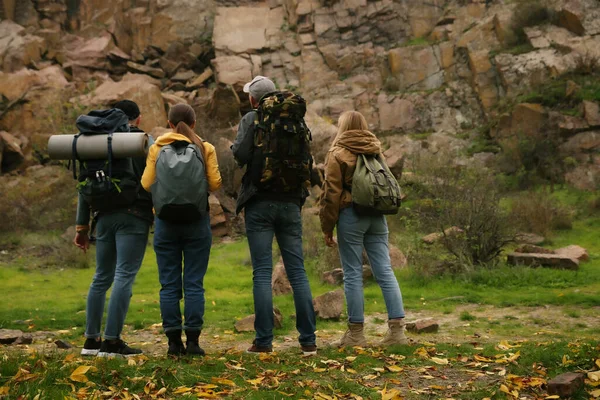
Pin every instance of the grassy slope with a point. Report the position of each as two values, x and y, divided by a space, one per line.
56 299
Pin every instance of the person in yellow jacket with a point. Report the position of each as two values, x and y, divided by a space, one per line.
184 237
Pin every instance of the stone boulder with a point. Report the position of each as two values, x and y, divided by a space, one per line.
11 155
246 324
134 87
80 53
333 277
224 106
397 258
17 48
8 336
232 70
585 176
246 29
396 113
416 67
279 281
438 236
591 113
582 143
573 251
529 238
218 220
423 326
329 305
323 134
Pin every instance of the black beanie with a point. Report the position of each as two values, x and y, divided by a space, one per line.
129 107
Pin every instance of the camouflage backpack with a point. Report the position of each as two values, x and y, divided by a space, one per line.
282 161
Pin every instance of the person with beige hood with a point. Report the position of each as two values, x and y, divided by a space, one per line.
357 231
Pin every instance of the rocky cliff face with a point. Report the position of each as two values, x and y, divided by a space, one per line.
425 74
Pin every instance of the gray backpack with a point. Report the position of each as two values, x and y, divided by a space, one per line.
375 190
180 193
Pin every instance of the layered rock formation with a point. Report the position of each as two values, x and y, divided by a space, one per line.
425 73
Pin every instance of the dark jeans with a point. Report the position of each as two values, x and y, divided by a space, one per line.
265 220
120 247
182 252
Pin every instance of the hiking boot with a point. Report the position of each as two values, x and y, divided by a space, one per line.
115 348
191 343
395 333
309 350
176 347
259 349
91 347
354 336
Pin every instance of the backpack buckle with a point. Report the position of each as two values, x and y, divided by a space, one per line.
100 177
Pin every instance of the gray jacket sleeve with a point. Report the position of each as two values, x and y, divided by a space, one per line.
244 141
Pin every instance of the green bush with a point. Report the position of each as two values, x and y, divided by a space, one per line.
538 212
467 198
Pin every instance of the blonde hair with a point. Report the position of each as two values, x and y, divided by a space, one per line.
352 121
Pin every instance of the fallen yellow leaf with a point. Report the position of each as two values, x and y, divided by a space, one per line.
182 390
594 376
595 393
79 374
223 381
256 381
440 361
394 368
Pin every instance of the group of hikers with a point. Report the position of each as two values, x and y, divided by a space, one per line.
170 190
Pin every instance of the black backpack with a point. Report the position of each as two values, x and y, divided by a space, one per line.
282 161
110 183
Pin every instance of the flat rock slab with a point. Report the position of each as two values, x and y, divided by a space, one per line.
565 385
544 260
8 336
573 251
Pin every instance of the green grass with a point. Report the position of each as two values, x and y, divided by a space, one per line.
342 373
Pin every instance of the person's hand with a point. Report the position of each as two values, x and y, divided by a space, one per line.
82 241
329 240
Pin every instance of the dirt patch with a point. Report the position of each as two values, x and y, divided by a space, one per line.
484 324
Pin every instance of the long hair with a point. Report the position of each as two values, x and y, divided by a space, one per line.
182 116
351 121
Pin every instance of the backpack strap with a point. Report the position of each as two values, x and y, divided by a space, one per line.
109 144
75 155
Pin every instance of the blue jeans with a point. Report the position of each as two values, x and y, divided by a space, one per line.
121 240
265 219
371 232
182 252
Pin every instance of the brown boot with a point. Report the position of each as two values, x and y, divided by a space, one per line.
354 336
395 333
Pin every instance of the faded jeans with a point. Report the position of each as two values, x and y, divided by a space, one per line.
371 232
120 246
264 220
182 253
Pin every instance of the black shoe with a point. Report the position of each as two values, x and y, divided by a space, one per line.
91 347
191 344
118 348
309 350
176 347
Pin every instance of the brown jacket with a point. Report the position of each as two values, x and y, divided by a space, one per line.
340 164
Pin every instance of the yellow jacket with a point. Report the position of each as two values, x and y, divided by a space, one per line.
208 151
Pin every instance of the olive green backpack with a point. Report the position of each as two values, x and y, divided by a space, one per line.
375 190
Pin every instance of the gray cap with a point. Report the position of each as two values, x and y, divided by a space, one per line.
259 86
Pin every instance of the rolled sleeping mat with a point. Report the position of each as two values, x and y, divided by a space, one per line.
94 147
